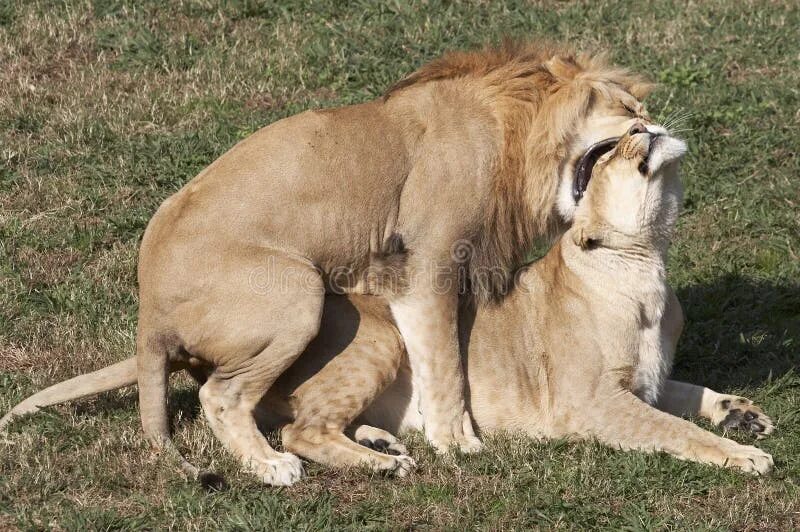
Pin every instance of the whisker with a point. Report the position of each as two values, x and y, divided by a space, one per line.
677 120
667 120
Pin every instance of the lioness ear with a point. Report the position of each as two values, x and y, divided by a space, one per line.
587 236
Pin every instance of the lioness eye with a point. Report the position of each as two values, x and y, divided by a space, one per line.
629 109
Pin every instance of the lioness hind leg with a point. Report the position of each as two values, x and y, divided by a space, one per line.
331 447
377 439
325 404
630 423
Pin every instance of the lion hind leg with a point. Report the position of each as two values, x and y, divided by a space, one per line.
265 314
152 371
229 409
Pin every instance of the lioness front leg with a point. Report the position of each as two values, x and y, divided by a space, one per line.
725 411
428 323
684 399
629 423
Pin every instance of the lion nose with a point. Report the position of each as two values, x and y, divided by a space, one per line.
636 128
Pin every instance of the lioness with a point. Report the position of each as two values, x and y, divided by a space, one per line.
580 348
467 153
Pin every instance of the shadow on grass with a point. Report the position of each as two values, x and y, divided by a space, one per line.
738 332
184 403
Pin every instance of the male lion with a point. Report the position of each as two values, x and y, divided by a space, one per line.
473 151
233 269
580 348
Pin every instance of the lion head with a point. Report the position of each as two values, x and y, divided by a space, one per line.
552 109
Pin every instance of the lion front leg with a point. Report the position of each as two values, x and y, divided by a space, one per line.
725 411
428 324
629 423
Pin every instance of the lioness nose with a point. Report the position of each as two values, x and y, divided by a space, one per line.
637 128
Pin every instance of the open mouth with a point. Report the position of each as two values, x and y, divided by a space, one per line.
583 170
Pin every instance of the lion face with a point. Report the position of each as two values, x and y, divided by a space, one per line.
634 187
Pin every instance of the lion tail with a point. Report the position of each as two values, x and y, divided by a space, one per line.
153 370
113 377
109 378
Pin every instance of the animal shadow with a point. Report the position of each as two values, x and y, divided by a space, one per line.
738 332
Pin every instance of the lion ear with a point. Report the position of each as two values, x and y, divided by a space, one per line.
562 68
641 89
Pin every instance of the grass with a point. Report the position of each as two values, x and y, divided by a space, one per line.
109 106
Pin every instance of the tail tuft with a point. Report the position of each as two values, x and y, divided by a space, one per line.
212 482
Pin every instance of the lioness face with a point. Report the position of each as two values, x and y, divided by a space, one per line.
609 118
635 185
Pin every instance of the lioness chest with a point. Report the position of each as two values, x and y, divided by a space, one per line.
534 362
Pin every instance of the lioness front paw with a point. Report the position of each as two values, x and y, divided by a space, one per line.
733 412
749 459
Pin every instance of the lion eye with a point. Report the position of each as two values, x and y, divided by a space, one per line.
629 109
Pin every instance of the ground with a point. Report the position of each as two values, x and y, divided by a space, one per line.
107 107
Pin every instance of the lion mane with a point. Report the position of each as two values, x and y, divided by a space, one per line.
538 92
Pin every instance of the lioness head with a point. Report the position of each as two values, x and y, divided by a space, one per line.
615 108
632 192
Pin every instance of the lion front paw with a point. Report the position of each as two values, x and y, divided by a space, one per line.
465 443
733 412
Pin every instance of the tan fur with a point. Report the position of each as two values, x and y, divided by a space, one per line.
234 268
321 418
539 93
582 346
469 154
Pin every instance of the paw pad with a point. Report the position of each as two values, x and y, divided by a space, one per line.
739 413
